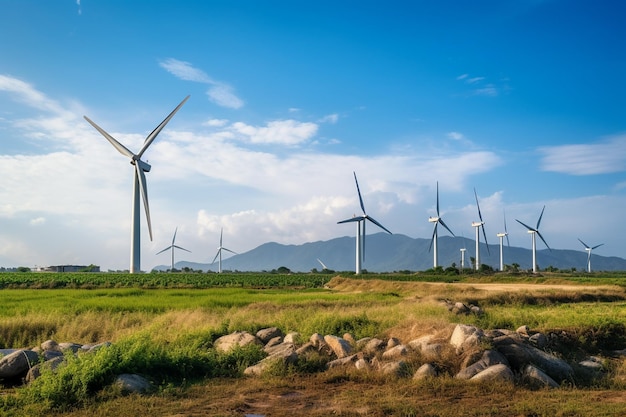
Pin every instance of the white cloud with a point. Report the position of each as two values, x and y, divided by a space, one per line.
220 93
456 135
287 132
586 159
216 122
330 118
37 221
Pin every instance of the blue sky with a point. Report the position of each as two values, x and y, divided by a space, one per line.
523 100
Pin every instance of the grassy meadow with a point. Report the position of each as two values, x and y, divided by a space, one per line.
163 325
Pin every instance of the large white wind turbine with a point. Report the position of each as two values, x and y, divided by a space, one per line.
589 249
535 231
501 237
139 186
219 252
360 229
172 247
479 225
433 241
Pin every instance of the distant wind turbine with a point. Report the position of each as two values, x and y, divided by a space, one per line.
219 252
433 241
535 231
321 263
172 247
589 249
360 229
139 185
501 236
479 225
463 249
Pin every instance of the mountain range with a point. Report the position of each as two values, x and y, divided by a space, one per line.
388 253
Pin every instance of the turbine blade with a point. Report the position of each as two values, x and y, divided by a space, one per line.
526 226
174 238
584 244
221 235
144 194
485 236
437 198
478 206
597 246
121 148
231 251
216 255
359 192
507 240
505 231
353 219
376 223
544 241
160 127
444 225
432 239
181 248
168 248
540 216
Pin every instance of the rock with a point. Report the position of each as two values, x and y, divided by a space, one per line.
306 349
230 341
420 342
425 371
265 335
317 340
592 363
373 346
460 308
523 330
133 383
557 368
432 352
488 359
51 354
517 356
465 336
495 373
536 378
476 310
273 342
348 360
362 365
397 368
292 337
50 345
74 347
539 340
339 346
35 371
93 348
395 352
17 364
349 338
392 342
282 357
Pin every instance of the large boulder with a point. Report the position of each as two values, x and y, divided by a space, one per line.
339 346
17 364
35 371
465 337
495 373
133 383
395 352
283 355
425 371
536 378
265 335
488 359
230 341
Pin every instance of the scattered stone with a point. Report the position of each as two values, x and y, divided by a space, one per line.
536 378
373 346
35 371
50 345
133 383
265 335
230 341
396 368
292 337
488 359
495 373
425 371
392 342
539 340
339 346
395 352
317 340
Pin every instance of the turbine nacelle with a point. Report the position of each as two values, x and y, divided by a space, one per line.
145 167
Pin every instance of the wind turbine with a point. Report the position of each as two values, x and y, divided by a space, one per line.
589 249
139 185
463 249
219 252
360 229
321 263
501 236
172 247
535 231
433 241
479 225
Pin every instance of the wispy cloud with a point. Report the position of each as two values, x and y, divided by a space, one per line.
586 159
285 132
330 118
456 135
220 93
479 86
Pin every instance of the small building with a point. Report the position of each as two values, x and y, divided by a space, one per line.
73 268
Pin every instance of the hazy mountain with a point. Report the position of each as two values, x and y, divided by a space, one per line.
387 253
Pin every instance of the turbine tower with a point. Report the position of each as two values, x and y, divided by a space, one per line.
360 229
219 252
433 241
501 236
139 185
172 247
479 225
589 249
535 231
